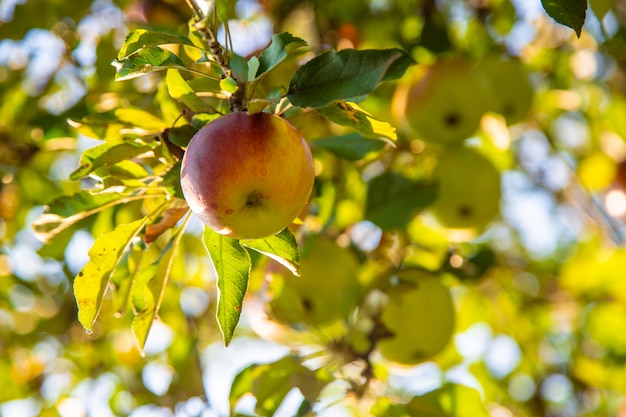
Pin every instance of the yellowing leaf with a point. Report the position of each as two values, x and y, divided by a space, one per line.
92 281
351 115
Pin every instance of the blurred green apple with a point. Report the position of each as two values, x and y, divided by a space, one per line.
510 92
469 189
247 176
442 102
419 316
327 290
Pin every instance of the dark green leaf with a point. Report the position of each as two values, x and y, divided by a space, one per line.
281 247
106 154
344 75
351 115
92 281
145 61
139 39
232 267
352 147
277 51
570 13
393 200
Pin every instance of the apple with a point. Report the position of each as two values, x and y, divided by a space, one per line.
247 176
442 102
419 316
509 92
327 290
469 189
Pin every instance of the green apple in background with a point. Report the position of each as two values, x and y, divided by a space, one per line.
509 90
469 189
327 290
442 102
247 176
420 317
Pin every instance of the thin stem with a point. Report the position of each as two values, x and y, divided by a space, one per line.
219 53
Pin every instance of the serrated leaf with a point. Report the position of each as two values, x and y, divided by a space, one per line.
232 267
351 115
570 13
344 75
141 119
393 200
351 147
139 39
106 154
277 51
66 210
281 247
92 281
181 91
144 61
451 400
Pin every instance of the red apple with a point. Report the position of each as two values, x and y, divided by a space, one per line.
247 176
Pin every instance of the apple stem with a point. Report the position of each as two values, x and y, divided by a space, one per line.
218 52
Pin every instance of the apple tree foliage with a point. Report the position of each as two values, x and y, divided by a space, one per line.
109 284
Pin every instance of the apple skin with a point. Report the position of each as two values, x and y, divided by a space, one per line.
421 319
469 190
327 290
247 176
442 102
509 91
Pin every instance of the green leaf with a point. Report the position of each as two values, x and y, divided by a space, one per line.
148 289
345 75
143 302
393 200
351 115
92 281
281 247
223 8
570 13
140 39
352 147
232 267
140 118
144 61
451 400
271 382
106 154
66 210
104 126
181 91
278 50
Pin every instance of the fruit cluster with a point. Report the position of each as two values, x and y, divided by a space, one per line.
443 103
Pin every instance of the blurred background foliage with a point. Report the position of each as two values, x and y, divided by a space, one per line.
539 294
